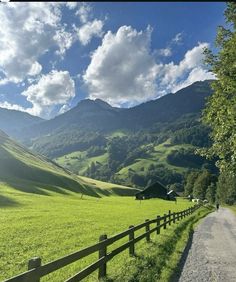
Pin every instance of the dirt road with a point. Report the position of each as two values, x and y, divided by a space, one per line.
212 253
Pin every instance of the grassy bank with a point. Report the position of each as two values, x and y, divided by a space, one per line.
53 225
159 259
233 208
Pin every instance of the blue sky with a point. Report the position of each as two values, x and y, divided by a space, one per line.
53 55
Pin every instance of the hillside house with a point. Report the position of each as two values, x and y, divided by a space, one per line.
155 190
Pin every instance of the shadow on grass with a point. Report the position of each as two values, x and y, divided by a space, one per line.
37 180
6 202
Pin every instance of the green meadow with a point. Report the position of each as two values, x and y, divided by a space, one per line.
53 225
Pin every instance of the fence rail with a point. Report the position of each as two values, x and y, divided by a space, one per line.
36 270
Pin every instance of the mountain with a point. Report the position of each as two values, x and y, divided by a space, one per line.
154 141
99 116
12 121
29 172
169 107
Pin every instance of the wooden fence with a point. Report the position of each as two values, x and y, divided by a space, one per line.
36 270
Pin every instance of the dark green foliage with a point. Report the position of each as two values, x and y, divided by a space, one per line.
94 151
201 185
68 141
188 158
163 174
189 182
220 112
211 193
226 188
197 135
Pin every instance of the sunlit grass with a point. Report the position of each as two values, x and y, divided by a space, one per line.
54 225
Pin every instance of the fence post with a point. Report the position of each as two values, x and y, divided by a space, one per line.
165 221
34 263
131 239
102 271
158 224
147 227
169 217
173 217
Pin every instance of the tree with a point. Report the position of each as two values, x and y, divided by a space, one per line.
211 193
220 112
189 183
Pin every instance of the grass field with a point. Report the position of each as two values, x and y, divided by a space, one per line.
49 212
54 225
78 162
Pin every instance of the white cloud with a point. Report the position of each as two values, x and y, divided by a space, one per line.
178 38
10 106
166 52
89 30
29 30
196 74
124 71
189 70
71 5
84 12
64 39
53 89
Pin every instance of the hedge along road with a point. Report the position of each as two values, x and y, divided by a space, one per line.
212 254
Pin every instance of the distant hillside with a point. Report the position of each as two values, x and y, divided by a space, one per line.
12 121
85 125
32 173
152 141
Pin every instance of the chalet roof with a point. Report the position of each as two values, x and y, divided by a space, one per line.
156 189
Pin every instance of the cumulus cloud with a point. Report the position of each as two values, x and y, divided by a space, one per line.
28 31
123 69
89 30
55 88
176 76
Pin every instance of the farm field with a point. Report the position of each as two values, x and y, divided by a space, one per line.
54 225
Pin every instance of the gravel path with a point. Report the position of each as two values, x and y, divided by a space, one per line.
212 254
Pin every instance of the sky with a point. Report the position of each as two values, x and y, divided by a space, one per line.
54 54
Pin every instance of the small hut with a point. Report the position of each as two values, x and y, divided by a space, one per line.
155 190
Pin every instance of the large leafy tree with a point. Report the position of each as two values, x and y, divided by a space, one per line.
220 112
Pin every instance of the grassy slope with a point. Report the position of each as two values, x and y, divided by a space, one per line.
78 162
51 226
33 173
159 156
